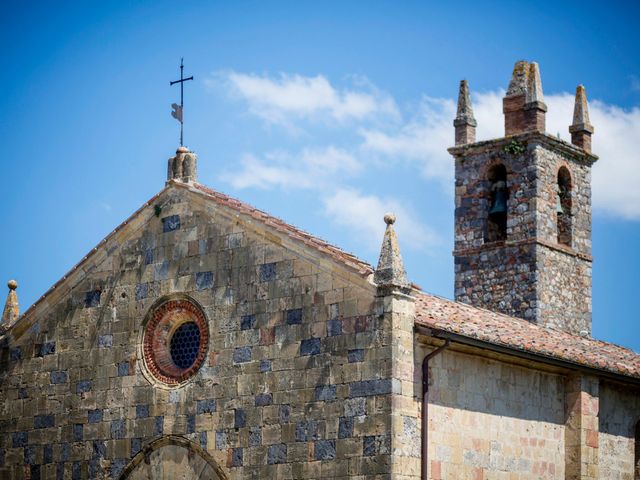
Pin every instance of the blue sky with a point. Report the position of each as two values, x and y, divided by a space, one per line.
357 96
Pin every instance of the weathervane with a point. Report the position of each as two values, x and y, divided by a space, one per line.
177 109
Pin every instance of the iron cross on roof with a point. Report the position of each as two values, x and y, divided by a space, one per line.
177 109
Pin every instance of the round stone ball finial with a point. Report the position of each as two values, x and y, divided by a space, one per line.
12 284
389 218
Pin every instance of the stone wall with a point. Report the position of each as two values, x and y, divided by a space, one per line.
528 274
565 303
619 415
490 419
297 381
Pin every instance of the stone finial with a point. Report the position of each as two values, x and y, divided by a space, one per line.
581 129
11 310
534 84
519 79
523 106
535 108
390 271
464 123
183 167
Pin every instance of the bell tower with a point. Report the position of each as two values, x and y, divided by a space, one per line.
523 210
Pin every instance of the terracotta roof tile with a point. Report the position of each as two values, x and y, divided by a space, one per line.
518 334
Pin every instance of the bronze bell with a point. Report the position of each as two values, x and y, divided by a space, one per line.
559 208
499 204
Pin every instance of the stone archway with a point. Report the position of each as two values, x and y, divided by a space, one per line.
173 458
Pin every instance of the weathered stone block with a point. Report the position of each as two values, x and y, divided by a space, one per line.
277 454
267 272
325 392
345 427
306 430
95 415
370 387
206 406
19 439
83 386
78 433
142 411
240 418
294 317
43 421
92 298
59 377
264 399
356 355
310 346
171 223
204 280
105 341
325 449
242 355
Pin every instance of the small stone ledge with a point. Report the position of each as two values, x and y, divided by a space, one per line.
557 144
518 243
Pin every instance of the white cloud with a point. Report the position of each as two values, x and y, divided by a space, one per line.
616 175
362 215
309 169
423 139
285 98
420 140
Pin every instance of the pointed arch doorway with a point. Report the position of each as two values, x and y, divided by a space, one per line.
173 458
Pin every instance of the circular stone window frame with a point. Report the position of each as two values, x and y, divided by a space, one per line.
161 321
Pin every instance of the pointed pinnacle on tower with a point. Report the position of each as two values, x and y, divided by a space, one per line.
464 123
534 84
11 310
390 271
523 105
519 76
581 129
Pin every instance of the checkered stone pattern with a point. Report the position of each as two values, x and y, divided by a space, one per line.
295 379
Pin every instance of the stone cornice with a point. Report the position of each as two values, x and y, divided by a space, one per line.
554 143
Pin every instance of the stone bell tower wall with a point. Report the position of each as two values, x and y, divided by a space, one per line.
530 274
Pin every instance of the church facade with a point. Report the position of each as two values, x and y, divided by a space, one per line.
206 339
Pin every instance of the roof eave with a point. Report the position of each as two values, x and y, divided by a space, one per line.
523 354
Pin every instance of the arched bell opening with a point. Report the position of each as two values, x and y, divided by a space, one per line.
170 458
498 193
563 207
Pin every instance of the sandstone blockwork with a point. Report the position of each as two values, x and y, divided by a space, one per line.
293 377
